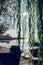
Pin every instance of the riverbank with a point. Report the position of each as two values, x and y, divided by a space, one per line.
24 61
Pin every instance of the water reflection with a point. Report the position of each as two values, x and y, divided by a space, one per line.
21 21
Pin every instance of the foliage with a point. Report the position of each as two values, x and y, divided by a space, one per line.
39 34
2 29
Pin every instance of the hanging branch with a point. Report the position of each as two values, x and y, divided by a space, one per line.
18 24
29 22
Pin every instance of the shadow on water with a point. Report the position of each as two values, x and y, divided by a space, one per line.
11 58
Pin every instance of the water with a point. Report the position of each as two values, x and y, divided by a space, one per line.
27 15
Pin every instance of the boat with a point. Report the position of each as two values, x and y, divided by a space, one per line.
7 38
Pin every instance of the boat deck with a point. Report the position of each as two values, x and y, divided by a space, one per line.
23 61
